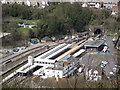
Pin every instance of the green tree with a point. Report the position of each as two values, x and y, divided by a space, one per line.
31 34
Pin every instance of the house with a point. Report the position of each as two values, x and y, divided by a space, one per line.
38 3
57 37
84 5
109 5
115 10
26 25
46 39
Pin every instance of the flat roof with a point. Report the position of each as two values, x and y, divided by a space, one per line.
94 43
50 52
56 68
26 68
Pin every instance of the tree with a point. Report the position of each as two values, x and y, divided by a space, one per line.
31 34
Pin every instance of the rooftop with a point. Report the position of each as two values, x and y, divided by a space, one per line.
46 38
94 43
4 34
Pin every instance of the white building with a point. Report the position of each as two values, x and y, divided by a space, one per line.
49 65
64 68
84 5
98 5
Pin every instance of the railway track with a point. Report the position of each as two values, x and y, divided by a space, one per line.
21 62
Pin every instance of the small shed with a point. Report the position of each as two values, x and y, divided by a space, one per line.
46 39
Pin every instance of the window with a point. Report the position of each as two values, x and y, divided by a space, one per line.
68 67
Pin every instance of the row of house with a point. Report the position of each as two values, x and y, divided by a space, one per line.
113 6
39 3
43 3
109 4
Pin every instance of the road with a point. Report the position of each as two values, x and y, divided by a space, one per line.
93 59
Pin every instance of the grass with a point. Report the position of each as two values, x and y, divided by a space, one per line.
18 20
110 34
98 64
25 22
117 54
24 29
98 59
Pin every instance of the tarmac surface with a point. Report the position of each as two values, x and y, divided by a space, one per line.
93 59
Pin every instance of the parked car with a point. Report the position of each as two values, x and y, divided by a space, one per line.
15 50
103 64
5 51
21 48
112 75
115 70
117 65
34 42
103 38
81 68
114 40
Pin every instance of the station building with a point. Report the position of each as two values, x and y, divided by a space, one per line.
59 62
